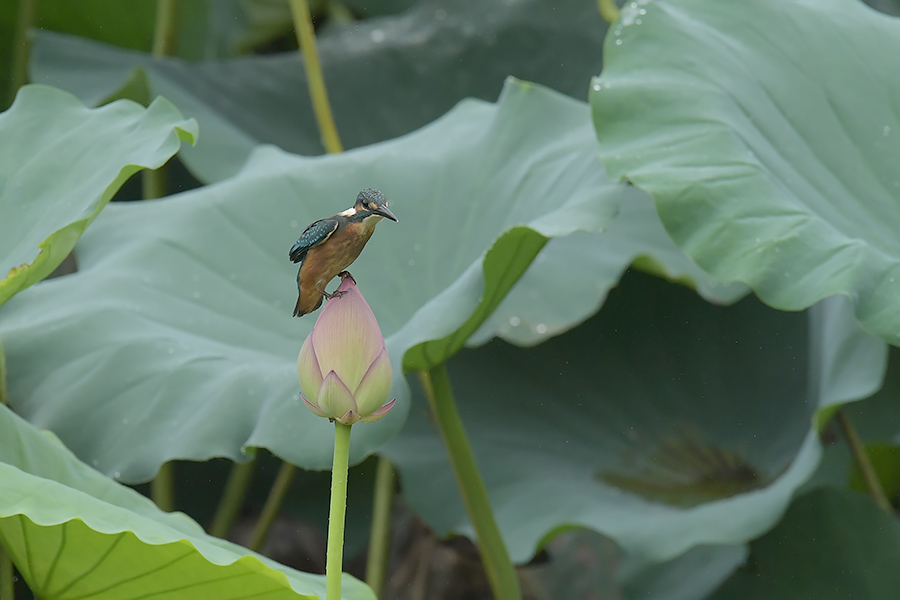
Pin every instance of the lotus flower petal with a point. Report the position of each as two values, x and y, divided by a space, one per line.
346 336
379 413
350 418
335 400
308 371
316 410
375 386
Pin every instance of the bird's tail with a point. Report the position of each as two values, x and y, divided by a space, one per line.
300 309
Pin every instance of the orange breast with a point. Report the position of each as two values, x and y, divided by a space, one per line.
325 261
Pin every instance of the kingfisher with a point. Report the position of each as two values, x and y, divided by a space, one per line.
327 247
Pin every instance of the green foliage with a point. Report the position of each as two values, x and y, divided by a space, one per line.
677 424
75 533
386 76
189 299
831 544
768 144
649 423
61 163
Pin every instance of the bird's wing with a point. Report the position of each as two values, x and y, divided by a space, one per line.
312 236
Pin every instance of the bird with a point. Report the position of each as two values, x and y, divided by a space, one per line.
328 246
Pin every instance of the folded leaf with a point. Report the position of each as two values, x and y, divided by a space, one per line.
60 163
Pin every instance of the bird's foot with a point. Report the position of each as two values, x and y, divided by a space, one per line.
338 293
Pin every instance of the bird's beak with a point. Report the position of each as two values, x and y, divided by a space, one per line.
384 211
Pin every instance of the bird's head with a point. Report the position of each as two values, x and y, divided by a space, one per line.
371 203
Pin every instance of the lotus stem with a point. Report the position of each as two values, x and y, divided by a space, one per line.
863 463
499 568
232 498
335 560
18 75
608 10
166 28
7 581
306 38
272 506
154 182
380 536
162 488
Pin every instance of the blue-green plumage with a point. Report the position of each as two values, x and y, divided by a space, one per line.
313 235
329 246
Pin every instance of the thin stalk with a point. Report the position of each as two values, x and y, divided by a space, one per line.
166 28
155 182
499 568
3 398
7 580
306 37
862 461
380 536
162 488
232 498
272 506
334 562
19 67
608 10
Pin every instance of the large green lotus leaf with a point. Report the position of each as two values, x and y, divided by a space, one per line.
74 533
768 143
664 422
60 163
832 544
175 338
386 76
571 277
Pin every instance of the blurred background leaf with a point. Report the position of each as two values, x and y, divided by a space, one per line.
832 544
386 76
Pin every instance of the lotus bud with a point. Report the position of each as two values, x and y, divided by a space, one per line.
344 370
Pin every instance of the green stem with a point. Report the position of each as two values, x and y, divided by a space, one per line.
608 10
162 488
7 581
165 28
863 463
3 398
232 498
272 506
155 182
335 559
499 568
19 68
380 536
306 37
339 13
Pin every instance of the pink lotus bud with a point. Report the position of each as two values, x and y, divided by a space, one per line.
344 369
